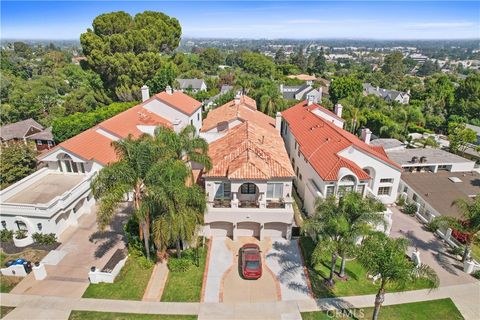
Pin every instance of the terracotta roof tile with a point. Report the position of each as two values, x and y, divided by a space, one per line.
178 100
246 110
320 142
249 151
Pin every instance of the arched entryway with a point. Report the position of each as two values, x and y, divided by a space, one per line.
248 195
248 229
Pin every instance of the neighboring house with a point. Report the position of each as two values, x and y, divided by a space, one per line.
301 92
211 102
54 197
194 85
388 144
430 160
231 114
385 94
434 193
249 188
303 77
477 131
28 130
328 160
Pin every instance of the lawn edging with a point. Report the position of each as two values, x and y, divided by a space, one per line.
205 272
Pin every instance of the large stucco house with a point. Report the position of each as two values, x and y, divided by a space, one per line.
55 196
249 188
329 160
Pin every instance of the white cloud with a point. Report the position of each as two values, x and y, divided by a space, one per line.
440 25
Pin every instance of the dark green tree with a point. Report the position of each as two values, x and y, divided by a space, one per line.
18 161
164 77
210 59
343 87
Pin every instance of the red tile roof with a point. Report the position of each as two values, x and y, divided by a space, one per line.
178 100
320 142
246 110
92 145
249 151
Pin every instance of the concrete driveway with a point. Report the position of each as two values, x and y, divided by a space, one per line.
433 251
283 275
84 246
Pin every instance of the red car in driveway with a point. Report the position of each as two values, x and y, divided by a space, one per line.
251 261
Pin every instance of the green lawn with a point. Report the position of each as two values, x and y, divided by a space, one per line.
476 249
5 310
435 309
186 286
130 284
357 283
94 315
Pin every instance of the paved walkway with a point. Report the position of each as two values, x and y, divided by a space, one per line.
157 281
220 260
465 296
285 261
433 251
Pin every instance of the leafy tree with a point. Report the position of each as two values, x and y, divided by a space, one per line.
409 115
460 137
468 98
298 59
280 57
258 64
427 142
210 59
385 257
125 51
164 77
270 99
18 161
468 224
343 87
393 65
319 63
428 68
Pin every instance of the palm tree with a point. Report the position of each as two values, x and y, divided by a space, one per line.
427 142
409 115
386 257
362 215
136 162
186 145
270 99
329 229
468 224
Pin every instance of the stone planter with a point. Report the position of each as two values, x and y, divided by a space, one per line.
468 266
22 242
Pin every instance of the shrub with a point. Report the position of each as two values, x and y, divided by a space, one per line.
432 226
410 209
20 234
476 274
6 235
137 254
179 265
400 201
457 251
44 238
460 236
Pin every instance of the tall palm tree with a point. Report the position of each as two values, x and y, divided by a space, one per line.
385 257
136 161
468 224
363 215
186 145
329 229
270 99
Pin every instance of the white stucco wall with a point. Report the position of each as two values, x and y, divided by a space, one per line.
328 117
173 114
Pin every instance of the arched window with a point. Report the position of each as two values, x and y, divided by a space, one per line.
66 164
345 185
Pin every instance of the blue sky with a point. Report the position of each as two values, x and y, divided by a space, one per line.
266 19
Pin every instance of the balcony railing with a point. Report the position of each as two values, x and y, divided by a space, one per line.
275 204
248 204
222 203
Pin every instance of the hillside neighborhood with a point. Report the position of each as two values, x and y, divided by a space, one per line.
149 175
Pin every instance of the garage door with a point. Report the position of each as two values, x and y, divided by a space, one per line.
221 229
62 222
248 229
275 230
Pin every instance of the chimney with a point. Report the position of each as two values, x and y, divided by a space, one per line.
168 90
366 135
338 110
237 98
176 125
145 93
278 121
310 100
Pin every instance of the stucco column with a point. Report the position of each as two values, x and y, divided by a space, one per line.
448 234
234 233
288 235
262 228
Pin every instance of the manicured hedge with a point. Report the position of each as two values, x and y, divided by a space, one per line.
67 127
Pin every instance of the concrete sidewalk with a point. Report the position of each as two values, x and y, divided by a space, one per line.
465 296
157 281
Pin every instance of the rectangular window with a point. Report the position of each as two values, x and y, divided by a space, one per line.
191 122
68 166
198 116
296 172
223 190
405 189
296 144
60 165
49 143
293 162
384 191
274 190
330 190
360 188
82 167
300 177
248 188
74 166
386 180
39 142
298 153
415 197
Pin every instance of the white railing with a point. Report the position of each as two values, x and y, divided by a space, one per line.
60 202
259 215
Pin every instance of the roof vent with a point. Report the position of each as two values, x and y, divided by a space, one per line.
414 159
423 159
454 179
